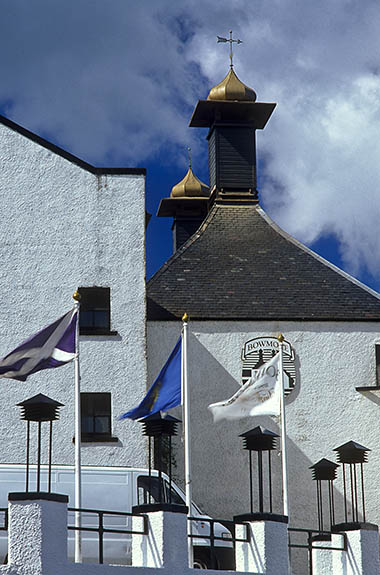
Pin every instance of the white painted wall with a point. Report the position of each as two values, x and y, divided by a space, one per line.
64 227
37 545
38 542
267 549
323 411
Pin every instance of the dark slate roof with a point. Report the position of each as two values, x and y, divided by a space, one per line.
240 265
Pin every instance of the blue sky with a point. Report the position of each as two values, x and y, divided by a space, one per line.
115 83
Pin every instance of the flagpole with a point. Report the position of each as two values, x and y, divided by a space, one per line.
283 433
186 428
78 435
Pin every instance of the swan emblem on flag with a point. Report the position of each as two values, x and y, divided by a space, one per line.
264 395
155 395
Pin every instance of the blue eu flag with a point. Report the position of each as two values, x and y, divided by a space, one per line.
165 392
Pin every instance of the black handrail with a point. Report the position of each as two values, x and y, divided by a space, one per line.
230 525
311 540
100 529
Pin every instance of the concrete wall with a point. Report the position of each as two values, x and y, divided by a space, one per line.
323 411
38 545
64 227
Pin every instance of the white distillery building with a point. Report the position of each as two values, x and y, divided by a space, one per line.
68 225
243 281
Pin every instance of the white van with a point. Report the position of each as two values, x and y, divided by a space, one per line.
115 489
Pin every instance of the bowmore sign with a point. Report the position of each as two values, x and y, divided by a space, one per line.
258 351
270 343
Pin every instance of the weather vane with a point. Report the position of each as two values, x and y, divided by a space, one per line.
230 40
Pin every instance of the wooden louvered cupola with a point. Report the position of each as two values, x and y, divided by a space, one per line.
232 115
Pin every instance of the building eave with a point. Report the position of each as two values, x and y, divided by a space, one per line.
67 155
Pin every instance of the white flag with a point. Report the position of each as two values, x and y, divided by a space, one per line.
260 395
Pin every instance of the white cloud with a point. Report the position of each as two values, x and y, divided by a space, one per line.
326 161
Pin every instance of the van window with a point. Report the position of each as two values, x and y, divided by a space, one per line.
150 490
154 490
173 496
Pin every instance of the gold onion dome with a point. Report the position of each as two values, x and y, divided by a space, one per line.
190 187
231 88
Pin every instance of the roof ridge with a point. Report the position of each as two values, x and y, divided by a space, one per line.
65 154
200 231
316 256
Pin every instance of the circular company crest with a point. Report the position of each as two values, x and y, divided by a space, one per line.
256 352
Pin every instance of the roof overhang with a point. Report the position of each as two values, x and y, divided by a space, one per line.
207 112
171 207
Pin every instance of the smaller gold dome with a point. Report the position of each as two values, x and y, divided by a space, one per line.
231 88
190 187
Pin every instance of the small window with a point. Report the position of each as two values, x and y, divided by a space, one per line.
94 316
377 350
96 417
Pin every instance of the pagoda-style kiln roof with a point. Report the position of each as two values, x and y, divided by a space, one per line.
240 265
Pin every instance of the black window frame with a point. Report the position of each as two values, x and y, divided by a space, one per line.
89 403
95 311
377 359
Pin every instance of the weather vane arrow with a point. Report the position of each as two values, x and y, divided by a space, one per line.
230 40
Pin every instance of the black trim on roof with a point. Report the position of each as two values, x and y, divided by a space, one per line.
152 317
67 155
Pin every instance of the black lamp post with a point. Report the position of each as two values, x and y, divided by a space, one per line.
325 470
353 454
260 439
39 408
158 426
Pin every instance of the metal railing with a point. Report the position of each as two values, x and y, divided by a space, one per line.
312 543
101 529
212 562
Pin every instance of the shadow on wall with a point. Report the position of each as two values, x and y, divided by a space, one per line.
220 465
220 468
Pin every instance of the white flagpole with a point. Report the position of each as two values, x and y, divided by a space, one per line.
186 428
78 434
283 433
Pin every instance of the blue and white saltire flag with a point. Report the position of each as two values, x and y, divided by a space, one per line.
165 391
51 347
